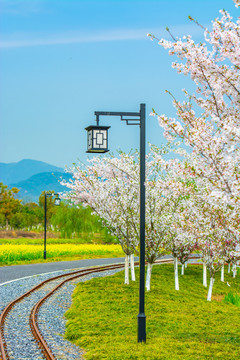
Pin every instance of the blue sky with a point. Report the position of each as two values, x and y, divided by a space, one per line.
61 60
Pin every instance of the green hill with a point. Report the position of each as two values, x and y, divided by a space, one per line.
15 172
31 188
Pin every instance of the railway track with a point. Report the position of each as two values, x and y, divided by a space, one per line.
31 303
42 292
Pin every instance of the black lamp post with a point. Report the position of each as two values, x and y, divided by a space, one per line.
98 143
57 202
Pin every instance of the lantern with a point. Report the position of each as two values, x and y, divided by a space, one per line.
57 201
97 139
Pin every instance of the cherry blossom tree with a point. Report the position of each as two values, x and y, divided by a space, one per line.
155 228
207 122
175 191
215 240
108 189
185 250
110 186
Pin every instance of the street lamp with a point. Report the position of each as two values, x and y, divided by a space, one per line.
100 139
97 139
57 202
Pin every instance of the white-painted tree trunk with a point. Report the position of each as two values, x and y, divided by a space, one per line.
148 279
185 264
176 273
234 270
222 273
229 268
204 275
182 271
132 267
209 297
126 270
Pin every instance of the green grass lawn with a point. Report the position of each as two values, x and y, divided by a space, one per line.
180 324
39 241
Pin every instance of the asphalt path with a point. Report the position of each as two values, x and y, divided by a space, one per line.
14 272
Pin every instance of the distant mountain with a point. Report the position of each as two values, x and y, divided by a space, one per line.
31 188
13 173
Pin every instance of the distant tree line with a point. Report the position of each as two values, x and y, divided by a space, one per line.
67 220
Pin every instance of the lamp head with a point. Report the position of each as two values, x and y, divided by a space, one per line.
57 201
97 139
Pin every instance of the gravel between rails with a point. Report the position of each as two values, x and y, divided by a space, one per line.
51 318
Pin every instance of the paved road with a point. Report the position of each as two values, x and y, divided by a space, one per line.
14 272
9 273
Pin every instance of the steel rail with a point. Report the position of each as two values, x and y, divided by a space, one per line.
7 309
34 313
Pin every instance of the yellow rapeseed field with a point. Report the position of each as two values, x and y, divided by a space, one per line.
11 253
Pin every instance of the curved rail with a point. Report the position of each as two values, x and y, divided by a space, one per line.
7 309
34 314
33 319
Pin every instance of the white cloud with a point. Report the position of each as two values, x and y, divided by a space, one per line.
28 40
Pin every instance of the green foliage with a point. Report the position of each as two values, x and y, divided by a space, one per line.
28 216
8 204
233 299
2 220
69 220
74 221
180 324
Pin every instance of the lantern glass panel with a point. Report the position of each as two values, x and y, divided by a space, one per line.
57 201
99 139
89 139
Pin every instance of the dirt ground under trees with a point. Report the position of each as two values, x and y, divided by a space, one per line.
15 234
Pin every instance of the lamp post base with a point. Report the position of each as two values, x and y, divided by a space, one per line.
141 327
45 255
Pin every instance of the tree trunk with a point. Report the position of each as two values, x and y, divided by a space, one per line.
126 269
149 272
176 273
209 297
234 270
229 268
185 264
204 275
182 272
222 273
132 267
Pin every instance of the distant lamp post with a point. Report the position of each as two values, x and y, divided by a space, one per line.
57 202
98 143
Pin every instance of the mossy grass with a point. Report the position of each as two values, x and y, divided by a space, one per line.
232 298
180 324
